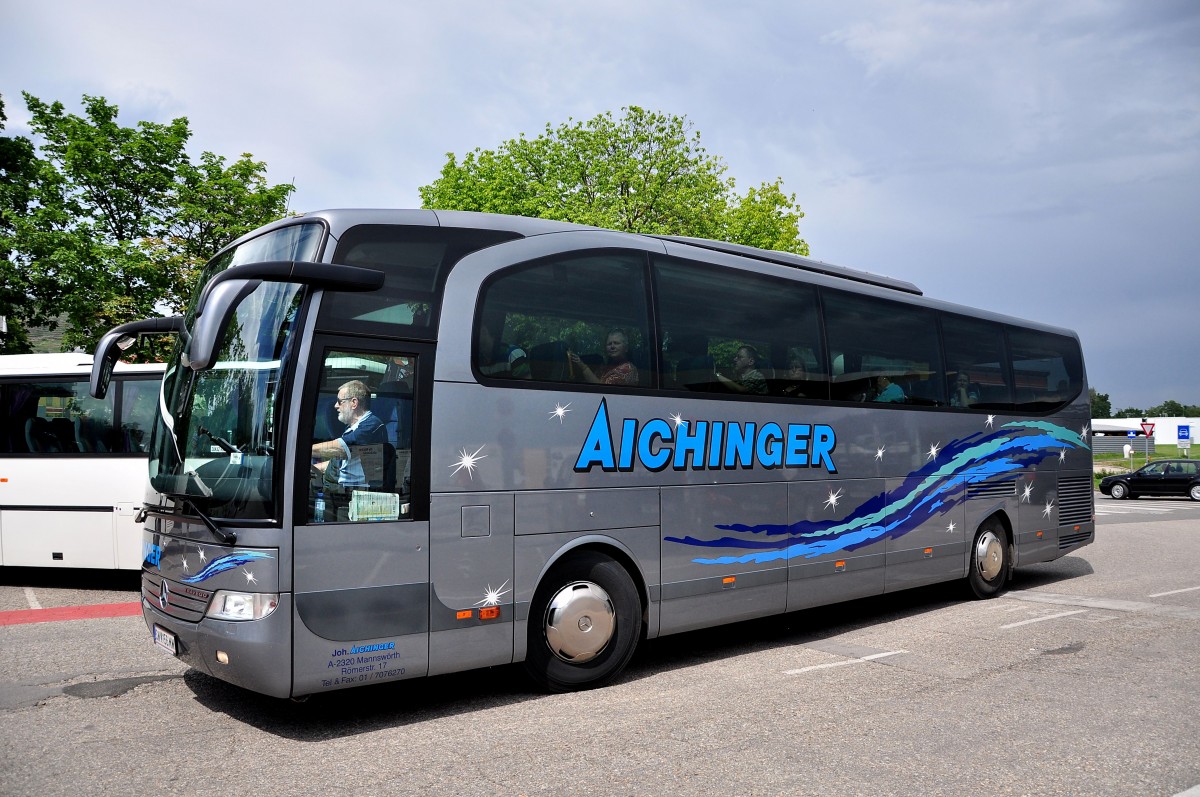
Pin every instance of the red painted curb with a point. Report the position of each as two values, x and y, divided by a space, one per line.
98 610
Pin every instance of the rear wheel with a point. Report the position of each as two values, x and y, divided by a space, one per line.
1194 492
991 560
584 624
1120 491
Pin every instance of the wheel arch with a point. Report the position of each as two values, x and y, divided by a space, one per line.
605 546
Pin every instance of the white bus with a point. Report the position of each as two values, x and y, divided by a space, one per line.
72 467
577 439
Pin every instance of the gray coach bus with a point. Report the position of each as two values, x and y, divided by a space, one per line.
400 443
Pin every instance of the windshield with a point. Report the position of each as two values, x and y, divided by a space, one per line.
217 430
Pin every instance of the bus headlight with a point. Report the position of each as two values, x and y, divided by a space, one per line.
228 605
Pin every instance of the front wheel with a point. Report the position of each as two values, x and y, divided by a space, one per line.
584 624
1194 492
991 560
1120 491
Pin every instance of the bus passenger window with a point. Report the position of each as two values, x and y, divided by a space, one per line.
362 438
737 333
580 319
976 373
1047 369
887 351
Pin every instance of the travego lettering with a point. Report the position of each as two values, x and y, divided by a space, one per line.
659 444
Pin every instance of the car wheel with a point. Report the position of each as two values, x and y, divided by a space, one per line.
1194 492
584 624
1120 491
991 560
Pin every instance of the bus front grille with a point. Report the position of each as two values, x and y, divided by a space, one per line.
177 600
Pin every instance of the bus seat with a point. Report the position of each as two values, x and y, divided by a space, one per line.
393 404
39 437
548 361
88 436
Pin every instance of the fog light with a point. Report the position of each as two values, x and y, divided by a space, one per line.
227 605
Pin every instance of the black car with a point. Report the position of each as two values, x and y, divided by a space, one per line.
1164 477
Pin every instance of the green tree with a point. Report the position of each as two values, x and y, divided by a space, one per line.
643 172
120 217
1168 409
17 169
1130 412
1101 404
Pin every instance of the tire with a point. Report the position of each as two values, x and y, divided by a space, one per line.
1194 492
584 624
1120 491
991 560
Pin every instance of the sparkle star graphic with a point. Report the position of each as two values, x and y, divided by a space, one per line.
832 500
951 527
1049 508
560 411
1062 455
185 565
1026 493
676 419
203 557
468 462
250 579
879 454
492 596
933 451
1084 431
991 419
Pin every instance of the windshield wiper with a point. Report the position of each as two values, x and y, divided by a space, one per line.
225 445
227 537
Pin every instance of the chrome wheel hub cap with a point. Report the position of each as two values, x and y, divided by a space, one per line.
989 556
580 621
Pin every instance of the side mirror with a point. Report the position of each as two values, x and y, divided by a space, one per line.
117 340
225 291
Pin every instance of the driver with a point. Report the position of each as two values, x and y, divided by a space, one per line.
363 428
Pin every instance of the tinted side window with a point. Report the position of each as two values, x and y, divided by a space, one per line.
1047 369
976 369
883 351
415 261
52 417
576 319
733 332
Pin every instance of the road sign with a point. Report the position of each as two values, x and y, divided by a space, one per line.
1147 429
1185 437
1131 433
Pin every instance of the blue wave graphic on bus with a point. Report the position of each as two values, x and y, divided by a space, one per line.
934 489
226 563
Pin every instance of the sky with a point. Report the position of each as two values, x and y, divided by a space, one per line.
1030 158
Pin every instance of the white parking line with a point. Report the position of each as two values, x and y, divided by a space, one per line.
1044 618
1173 592
31 599
844 662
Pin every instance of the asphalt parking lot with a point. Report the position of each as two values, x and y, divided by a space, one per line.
1081 680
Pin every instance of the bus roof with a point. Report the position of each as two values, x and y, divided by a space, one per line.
47 364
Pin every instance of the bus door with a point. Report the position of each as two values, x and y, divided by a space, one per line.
361 509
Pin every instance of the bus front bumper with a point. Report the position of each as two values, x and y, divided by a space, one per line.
253 654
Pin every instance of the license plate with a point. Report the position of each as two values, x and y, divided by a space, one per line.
164 639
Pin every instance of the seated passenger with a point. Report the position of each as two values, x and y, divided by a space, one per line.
747 377
961 395
501 359
888 391
796 376
617 369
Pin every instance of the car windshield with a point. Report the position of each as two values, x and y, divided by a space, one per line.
215 438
